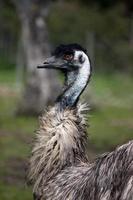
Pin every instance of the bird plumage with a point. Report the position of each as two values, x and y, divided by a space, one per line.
110 177
59 166
60 142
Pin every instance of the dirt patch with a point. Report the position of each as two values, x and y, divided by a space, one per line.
122 122
7 91
15 172
27 139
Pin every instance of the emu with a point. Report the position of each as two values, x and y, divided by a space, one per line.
59 166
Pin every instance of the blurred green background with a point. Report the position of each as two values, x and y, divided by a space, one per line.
105 29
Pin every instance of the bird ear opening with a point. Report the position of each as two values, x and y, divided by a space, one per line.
81 59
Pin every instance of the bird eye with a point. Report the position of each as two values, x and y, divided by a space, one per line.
68 57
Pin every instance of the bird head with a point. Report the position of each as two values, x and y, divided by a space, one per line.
74 61
66 58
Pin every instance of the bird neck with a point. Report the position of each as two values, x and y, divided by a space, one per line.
74 86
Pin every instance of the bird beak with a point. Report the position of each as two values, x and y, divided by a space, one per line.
52 63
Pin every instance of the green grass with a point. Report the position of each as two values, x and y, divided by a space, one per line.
16 134
109 127
9 121
14 193
7 77
112 90
111 124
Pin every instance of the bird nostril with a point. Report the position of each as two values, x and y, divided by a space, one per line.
45 62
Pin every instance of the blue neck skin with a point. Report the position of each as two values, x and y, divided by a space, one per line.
76 82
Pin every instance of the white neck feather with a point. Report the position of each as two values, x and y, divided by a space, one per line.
82 78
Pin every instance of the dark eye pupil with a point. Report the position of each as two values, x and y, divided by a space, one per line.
68 57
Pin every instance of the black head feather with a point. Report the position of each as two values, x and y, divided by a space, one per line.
67 49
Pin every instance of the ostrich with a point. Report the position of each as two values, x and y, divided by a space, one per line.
59 166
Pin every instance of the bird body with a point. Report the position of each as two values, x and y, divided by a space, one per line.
110 177
59 166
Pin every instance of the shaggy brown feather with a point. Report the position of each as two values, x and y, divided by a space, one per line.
60 169
60 142
110 177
